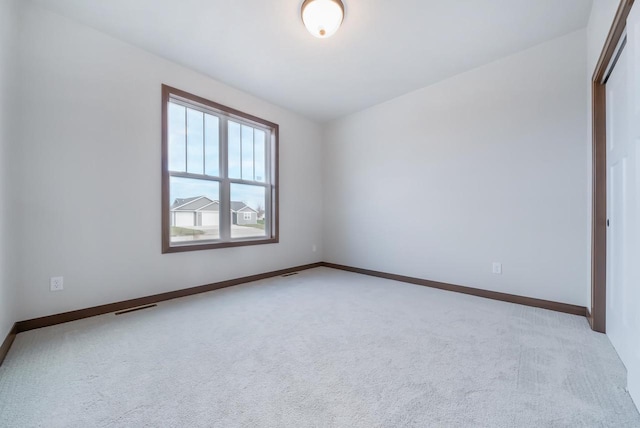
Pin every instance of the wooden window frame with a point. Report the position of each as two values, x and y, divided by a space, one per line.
598 316
271 186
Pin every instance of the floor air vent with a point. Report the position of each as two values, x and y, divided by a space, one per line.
289 274
126 311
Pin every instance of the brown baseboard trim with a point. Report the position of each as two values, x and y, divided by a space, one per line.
8 341
50 320
139 308
494 295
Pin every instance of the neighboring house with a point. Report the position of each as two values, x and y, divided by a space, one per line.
202 211
197 211
241 213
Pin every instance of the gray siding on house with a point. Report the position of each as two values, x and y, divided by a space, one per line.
195 211
195 205
202 209
241 220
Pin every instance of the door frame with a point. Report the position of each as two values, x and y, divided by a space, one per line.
597 316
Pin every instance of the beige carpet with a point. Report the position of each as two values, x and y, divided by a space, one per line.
323 348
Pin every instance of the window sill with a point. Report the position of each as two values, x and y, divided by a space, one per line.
180 248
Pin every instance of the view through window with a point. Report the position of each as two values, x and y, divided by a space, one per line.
219 175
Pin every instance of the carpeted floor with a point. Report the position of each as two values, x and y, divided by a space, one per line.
323 348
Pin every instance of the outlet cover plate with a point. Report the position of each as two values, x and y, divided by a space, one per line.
497 268
56 283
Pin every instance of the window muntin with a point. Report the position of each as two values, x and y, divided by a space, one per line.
219 175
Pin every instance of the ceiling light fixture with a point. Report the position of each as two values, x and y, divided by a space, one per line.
322 17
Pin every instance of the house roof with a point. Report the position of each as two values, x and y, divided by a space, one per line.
213 206
202 203
182 201
191 204
240 206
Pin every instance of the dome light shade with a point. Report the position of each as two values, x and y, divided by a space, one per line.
322 17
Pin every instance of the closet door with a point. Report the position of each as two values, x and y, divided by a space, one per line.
620 181
633 49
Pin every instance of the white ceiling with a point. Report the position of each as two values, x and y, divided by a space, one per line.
384 49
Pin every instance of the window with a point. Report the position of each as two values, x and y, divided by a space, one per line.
219 175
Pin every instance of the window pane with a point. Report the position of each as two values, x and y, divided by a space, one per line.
194 209
259 155
247 153
211 201
234 149
177 138
211 145
247 211
195 144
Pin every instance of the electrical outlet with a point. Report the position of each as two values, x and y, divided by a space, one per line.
56 283
314 248
497 268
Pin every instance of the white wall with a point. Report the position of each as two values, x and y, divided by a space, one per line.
8 36
600 20
90 156
486 166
